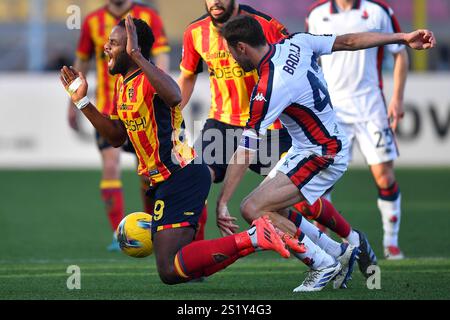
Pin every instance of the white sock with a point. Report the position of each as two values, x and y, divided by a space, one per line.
330 246
390 214
353 238
314 257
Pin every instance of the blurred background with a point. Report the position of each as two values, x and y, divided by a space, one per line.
36 40
34 36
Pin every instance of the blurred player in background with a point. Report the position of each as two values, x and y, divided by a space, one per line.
355 84
94 35
230 86
146 109
231 89
294 90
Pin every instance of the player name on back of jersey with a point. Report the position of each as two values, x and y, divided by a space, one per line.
293 59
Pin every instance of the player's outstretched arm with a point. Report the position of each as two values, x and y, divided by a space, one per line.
237 167
164 85
418 40
76 86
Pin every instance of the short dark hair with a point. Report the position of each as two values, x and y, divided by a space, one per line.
245 29
144 34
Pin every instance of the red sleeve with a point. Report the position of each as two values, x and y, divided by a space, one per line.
191 61
161 44
395 24
85 47
275 31
260 99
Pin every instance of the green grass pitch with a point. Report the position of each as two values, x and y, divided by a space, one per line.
53 219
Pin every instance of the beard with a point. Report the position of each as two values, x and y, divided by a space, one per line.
226 15
121 64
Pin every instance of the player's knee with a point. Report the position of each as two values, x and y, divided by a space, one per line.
168 275
168 278
249 209
385 179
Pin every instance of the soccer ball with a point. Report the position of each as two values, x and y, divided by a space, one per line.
134 235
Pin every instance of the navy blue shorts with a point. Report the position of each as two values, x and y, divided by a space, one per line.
179 201
223 149
102 143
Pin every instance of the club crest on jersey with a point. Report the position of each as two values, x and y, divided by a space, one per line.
365 15
130 93
259 97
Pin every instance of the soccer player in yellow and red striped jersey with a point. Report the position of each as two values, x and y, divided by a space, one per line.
230 86
94 34
146 109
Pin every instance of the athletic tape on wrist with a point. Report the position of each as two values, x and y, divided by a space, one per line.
82 103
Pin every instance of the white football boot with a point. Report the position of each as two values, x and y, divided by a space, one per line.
316 280
347 260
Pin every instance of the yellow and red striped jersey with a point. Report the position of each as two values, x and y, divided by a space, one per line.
231 87
154 129
95 32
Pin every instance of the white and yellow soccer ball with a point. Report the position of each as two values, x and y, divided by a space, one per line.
135 236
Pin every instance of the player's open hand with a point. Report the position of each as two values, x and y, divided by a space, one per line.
225 221
420 39
132 38
74 82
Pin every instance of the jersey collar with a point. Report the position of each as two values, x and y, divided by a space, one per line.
266 58
132 76
334 7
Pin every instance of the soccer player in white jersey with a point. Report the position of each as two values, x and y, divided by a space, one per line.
355 85
291 87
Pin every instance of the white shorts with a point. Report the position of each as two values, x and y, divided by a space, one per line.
313 174
375 139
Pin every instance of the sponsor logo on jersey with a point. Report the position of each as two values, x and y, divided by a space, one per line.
154 172
365 15
125 107
259 97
